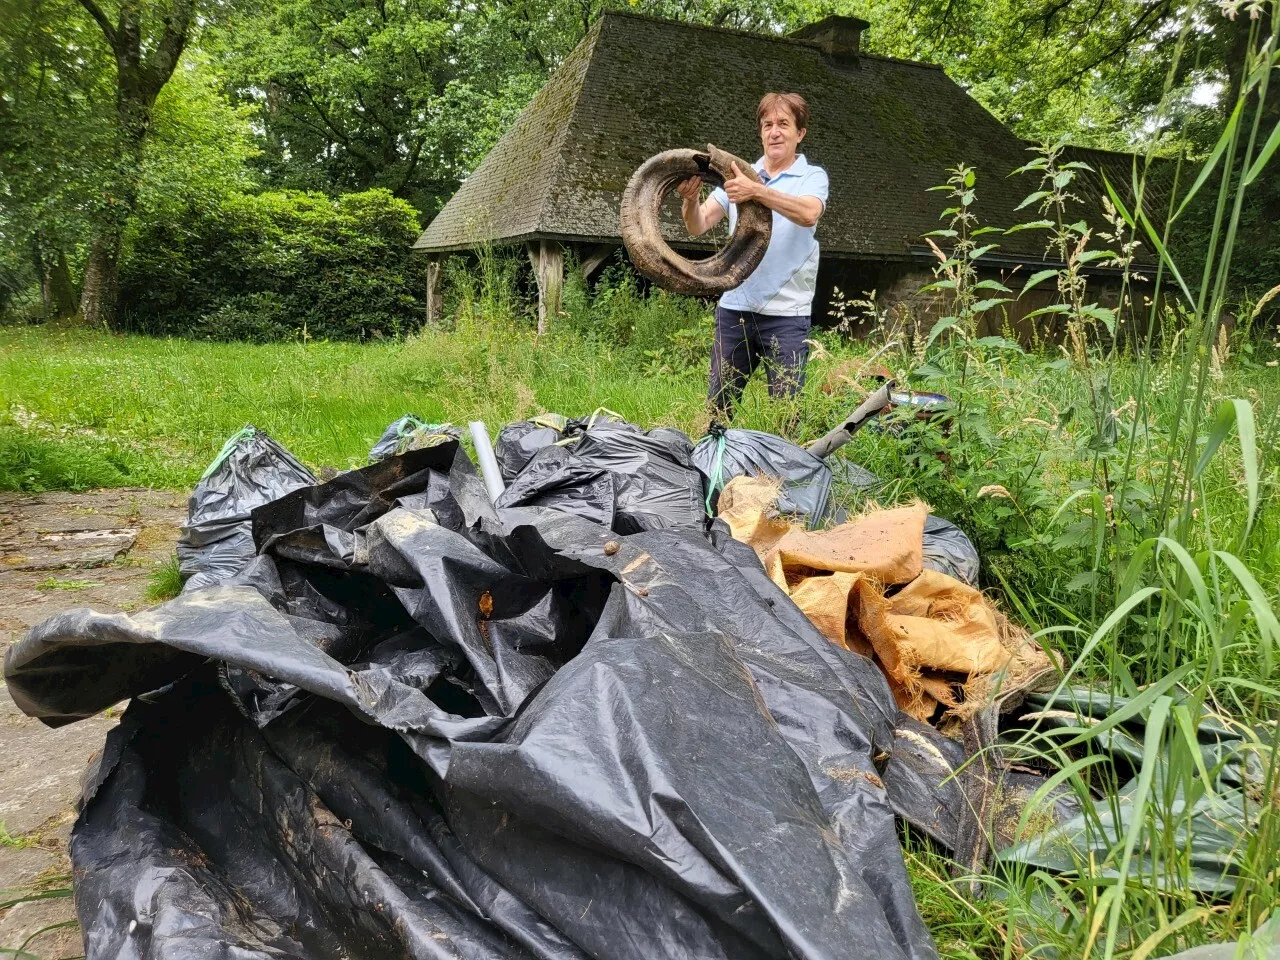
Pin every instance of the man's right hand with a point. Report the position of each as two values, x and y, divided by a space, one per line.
690 189
698 215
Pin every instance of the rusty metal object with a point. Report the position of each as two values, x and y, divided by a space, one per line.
642 202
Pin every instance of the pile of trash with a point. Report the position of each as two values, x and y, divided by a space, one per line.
622 696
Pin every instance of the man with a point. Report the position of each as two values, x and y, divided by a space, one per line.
767 318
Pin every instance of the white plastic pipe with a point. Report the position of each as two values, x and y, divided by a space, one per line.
488 462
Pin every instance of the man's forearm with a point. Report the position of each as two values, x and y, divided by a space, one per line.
694 220
804 211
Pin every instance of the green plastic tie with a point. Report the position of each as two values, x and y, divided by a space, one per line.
603 410
408 424
243 433
715 473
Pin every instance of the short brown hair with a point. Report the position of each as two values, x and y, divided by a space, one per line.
791 102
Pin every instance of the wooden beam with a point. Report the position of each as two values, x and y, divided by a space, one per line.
433 289
593 259
547 257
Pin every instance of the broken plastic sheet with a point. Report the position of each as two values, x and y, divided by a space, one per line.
1214 824
940 787
410 433
412 727
724 454
250 470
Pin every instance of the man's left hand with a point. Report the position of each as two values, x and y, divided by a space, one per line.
740 188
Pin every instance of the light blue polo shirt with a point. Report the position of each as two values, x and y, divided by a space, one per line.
783 284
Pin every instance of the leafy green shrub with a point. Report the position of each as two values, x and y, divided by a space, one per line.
276 266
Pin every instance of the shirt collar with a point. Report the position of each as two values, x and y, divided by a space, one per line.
796 169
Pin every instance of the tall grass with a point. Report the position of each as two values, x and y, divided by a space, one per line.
1178 515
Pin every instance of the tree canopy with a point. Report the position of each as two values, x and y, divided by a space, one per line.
116 113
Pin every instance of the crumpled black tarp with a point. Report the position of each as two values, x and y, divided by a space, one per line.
252 469
605 469
724 454
414 727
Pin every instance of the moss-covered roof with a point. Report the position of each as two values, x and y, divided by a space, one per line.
886 130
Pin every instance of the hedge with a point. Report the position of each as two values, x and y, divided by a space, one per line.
278 265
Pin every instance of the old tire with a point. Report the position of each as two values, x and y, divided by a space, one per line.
653 256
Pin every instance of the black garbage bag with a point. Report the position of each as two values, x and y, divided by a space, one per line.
605 469
947 549
656 484
556 478
410 432
724 454
418 727
518 442
251 469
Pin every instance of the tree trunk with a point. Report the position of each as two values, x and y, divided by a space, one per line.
142 70
57 286
101 273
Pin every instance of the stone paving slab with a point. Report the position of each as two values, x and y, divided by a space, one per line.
59 551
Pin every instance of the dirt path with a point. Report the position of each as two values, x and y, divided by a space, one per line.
59 551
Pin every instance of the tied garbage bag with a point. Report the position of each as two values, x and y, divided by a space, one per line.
724 454
518 442
656 483
863 584
608 470
948 549
410 433
418 727
250 470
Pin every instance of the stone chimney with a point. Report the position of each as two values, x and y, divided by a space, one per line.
838 37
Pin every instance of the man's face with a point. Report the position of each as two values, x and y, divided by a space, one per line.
779 136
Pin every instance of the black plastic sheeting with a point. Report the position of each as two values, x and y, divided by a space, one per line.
251 470
416 727
724 454
604 469
1213 825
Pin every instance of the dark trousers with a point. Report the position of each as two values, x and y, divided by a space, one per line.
743 341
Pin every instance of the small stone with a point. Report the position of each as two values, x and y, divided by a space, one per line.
611 547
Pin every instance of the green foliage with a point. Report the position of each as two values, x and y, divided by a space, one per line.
276 266
164 582
670 331
410 96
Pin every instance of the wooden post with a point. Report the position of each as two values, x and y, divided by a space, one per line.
433 289
592 260
547 257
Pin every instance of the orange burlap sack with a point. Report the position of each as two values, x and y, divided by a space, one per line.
938 641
